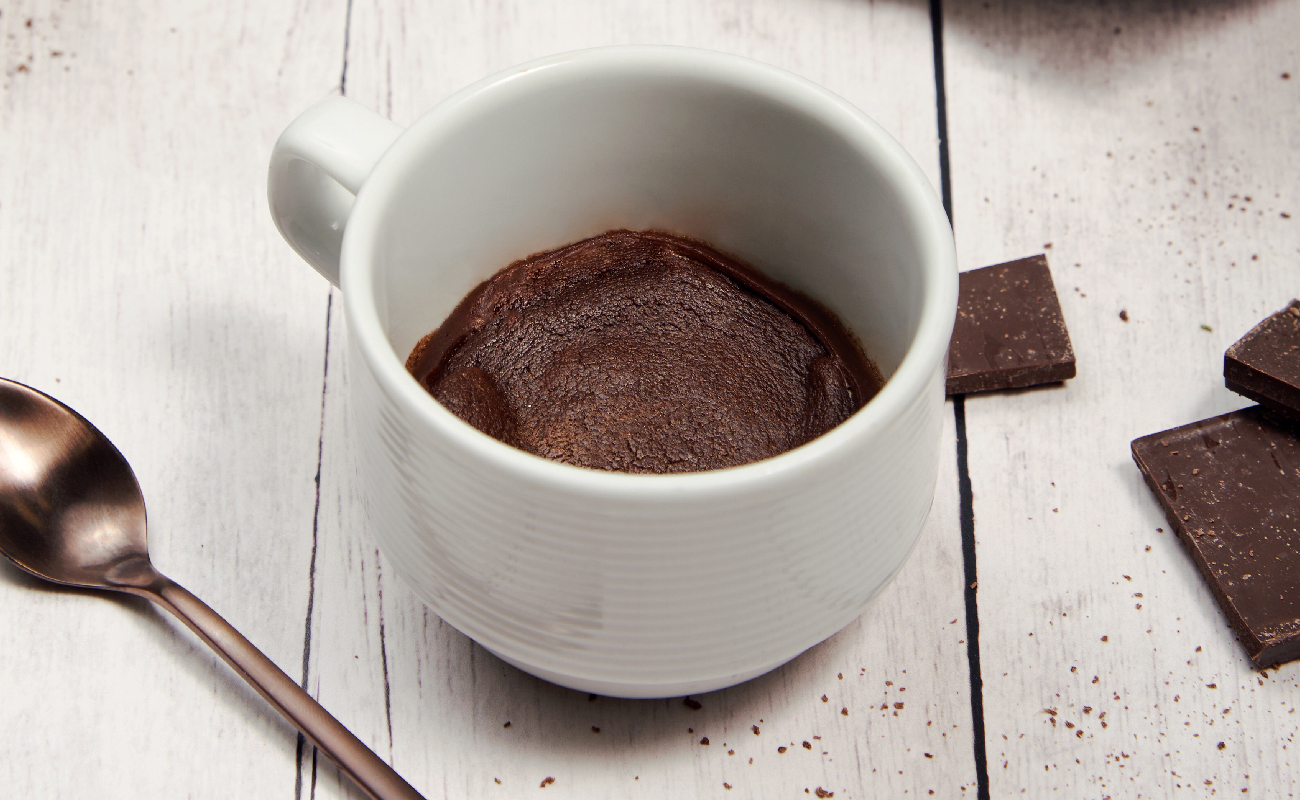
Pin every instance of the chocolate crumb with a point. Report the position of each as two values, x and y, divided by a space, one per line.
825 699
807 745
1222 745
898 706
726 786
928 755
754 728
507 725
498 780
1123 314
823 793
844 711
731 752
693 705
781 749
594 729
704 741
547 781
1105 638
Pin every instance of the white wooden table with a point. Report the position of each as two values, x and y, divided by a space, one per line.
1150 150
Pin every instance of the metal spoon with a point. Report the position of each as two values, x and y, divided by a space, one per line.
71 512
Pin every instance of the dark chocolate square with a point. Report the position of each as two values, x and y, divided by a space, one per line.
1264 365
1009 332
1230 487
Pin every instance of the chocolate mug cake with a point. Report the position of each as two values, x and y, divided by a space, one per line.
642 351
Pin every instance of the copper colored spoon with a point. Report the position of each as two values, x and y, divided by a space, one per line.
71 512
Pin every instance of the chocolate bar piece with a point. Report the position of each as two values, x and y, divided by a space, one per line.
1264 365
1230 486
1009 332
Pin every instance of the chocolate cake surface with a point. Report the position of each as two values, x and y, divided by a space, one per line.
641 351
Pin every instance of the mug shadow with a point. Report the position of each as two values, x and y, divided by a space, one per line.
1067 40
555 721
745 704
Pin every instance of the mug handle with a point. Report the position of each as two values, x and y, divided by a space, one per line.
317 167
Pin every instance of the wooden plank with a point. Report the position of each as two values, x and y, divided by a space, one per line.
1147 146
144 284
413 687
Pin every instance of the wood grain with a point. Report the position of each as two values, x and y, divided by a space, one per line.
1145 148
142 282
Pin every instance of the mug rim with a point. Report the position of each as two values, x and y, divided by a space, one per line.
927 349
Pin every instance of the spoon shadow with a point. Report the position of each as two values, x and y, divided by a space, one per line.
175 642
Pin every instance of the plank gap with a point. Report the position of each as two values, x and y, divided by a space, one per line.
965 494
311 564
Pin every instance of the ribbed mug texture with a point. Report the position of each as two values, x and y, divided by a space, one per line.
638 596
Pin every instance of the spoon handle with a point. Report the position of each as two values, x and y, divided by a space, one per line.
374 776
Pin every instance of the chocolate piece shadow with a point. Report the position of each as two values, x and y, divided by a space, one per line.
1230 487
1009 332
1264 365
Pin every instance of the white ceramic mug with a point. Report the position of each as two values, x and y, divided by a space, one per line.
618 584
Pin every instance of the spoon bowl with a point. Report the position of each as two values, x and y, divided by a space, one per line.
71 512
